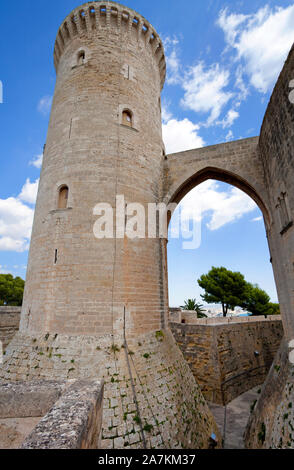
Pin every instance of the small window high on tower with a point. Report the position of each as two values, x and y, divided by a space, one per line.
81 57
63 197
127 118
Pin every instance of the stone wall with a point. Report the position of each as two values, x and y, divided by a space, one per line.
9 323
68 415
276 146
72 274
221 353
74 422
271 424
151 397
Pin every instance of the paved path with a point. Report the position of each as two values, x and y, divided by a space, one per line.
238 412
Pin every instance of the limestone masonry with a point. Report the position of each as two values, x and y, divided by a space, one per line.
98 308
9 324
228 358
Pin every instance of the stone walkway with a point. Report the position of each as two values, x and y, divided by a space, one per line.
237 415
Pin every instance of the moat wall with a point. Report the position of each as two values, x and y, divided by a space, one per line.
9 323
271 425
228 356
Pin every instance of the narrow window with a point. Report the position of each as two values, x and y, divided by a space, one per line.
55 256
81 57
127 118
63 197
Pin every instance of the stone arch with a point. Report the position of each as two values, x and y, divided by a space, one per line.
225 176
237 163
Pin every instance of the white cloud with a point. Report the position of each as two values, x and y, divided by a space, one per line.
16 219
229 136
229 119
15 225
44 105
181 135
173 66
172 60
261 40
230 23
29 191
257 219
37 162
240 84
205 90
221 206
166 114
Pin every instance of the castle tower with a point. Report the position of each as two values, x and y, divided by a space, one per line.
96 308
104 140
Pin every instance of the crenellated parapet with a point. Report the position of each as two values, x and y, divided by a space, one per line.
88 19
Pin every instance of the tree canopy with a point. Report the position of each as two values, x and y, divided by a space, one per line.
225 287
230 289
257 302
11 290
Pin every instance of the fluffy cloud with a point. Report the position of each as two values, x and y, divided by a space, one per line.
250 36
29 191
44 105
222 207
37 162
172 60
229 136
16 219
205 90
229 119
166 114
181 135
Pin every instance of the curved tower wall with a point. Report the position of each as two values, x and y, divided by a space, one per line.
276 145
108 58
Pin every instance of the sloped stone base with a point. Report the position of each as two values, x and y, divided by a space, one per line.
151 398
271 425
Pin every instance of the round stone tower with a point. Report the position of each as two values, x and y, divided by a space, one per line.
104 140
97 307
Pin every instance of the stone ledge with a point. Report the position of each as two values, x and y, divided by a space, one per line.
74 422
176 316
28 399
5 309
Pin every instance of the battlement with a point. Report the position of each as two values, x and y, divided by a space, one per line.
91 17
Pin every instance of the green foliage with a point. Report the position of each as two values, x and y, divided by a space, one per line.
232 290
257 302
273 309
137 419
148 427
159 334
11 290
223 287
191 304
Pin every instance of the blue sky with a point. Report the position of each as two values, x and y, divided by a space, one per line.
223 59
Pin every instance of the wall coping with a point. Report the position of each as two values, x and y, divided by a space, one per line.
8 309
75 420
225 321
